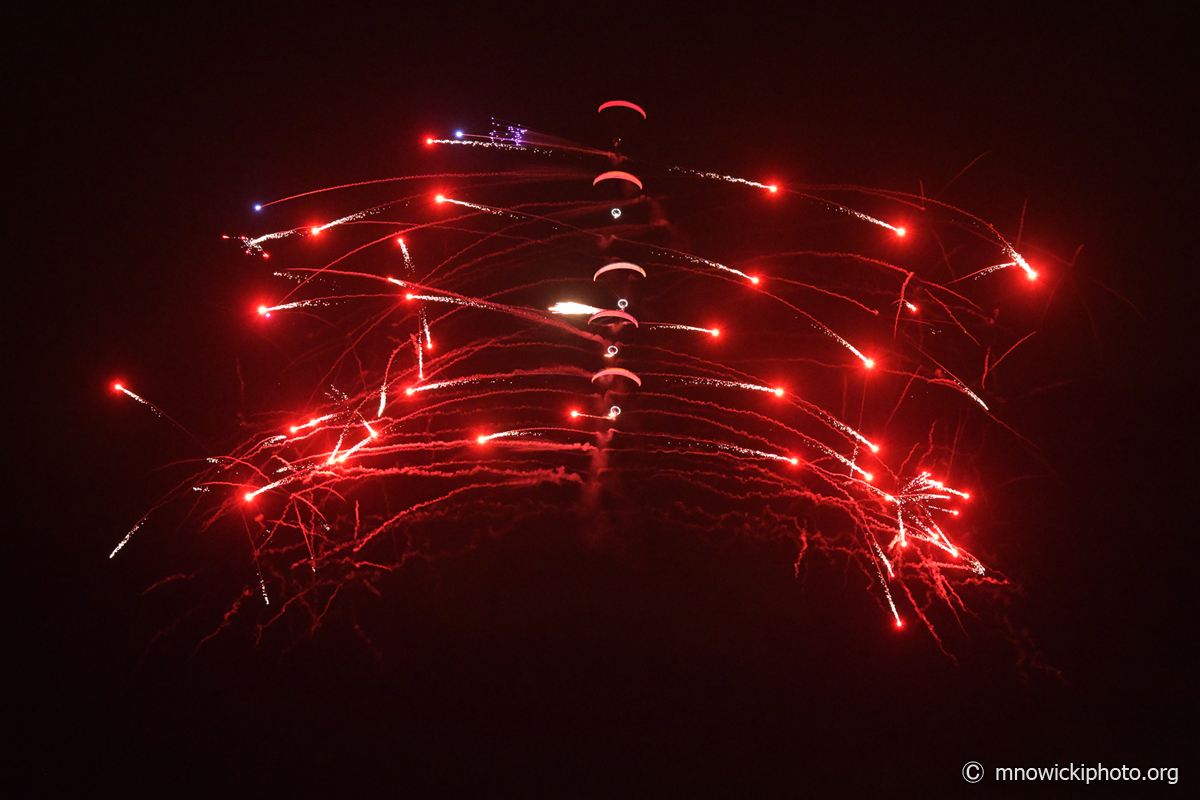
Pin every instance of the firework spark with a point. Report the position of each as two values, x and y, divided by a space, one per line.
778 407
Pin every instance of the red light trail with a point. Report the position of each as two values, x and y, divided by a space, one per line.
550 372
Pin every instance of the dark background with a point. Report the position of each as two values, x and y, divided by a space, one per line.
540 665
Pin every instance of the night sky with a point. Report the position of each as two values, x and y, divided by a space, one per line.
542 664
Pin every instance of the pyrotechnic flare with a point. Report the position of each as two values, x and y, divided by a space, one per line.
767 417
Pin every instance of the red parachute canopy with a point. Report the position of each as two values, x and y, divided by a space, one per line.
617 175
621 315
619 265
622 104
617 371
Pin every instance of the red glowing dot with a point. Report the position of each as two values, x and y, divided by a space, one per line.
868 477
899 624
266 255
966 496
315 231
248 496
794 461
753 279
874 448
779 391
409 390
772 188
574 413
901 232
262 309
118 387
716 332
482 439
440 199
429 140
400 240
1032 275
868 363
408 297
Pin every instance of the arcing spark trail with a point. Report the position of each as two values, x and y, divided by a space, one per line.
583 341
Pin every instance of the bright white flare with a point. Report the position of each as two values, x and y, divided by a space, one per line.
569 308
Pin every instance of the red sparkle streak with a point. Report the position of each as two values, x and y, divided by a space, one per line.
699 415
312 423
